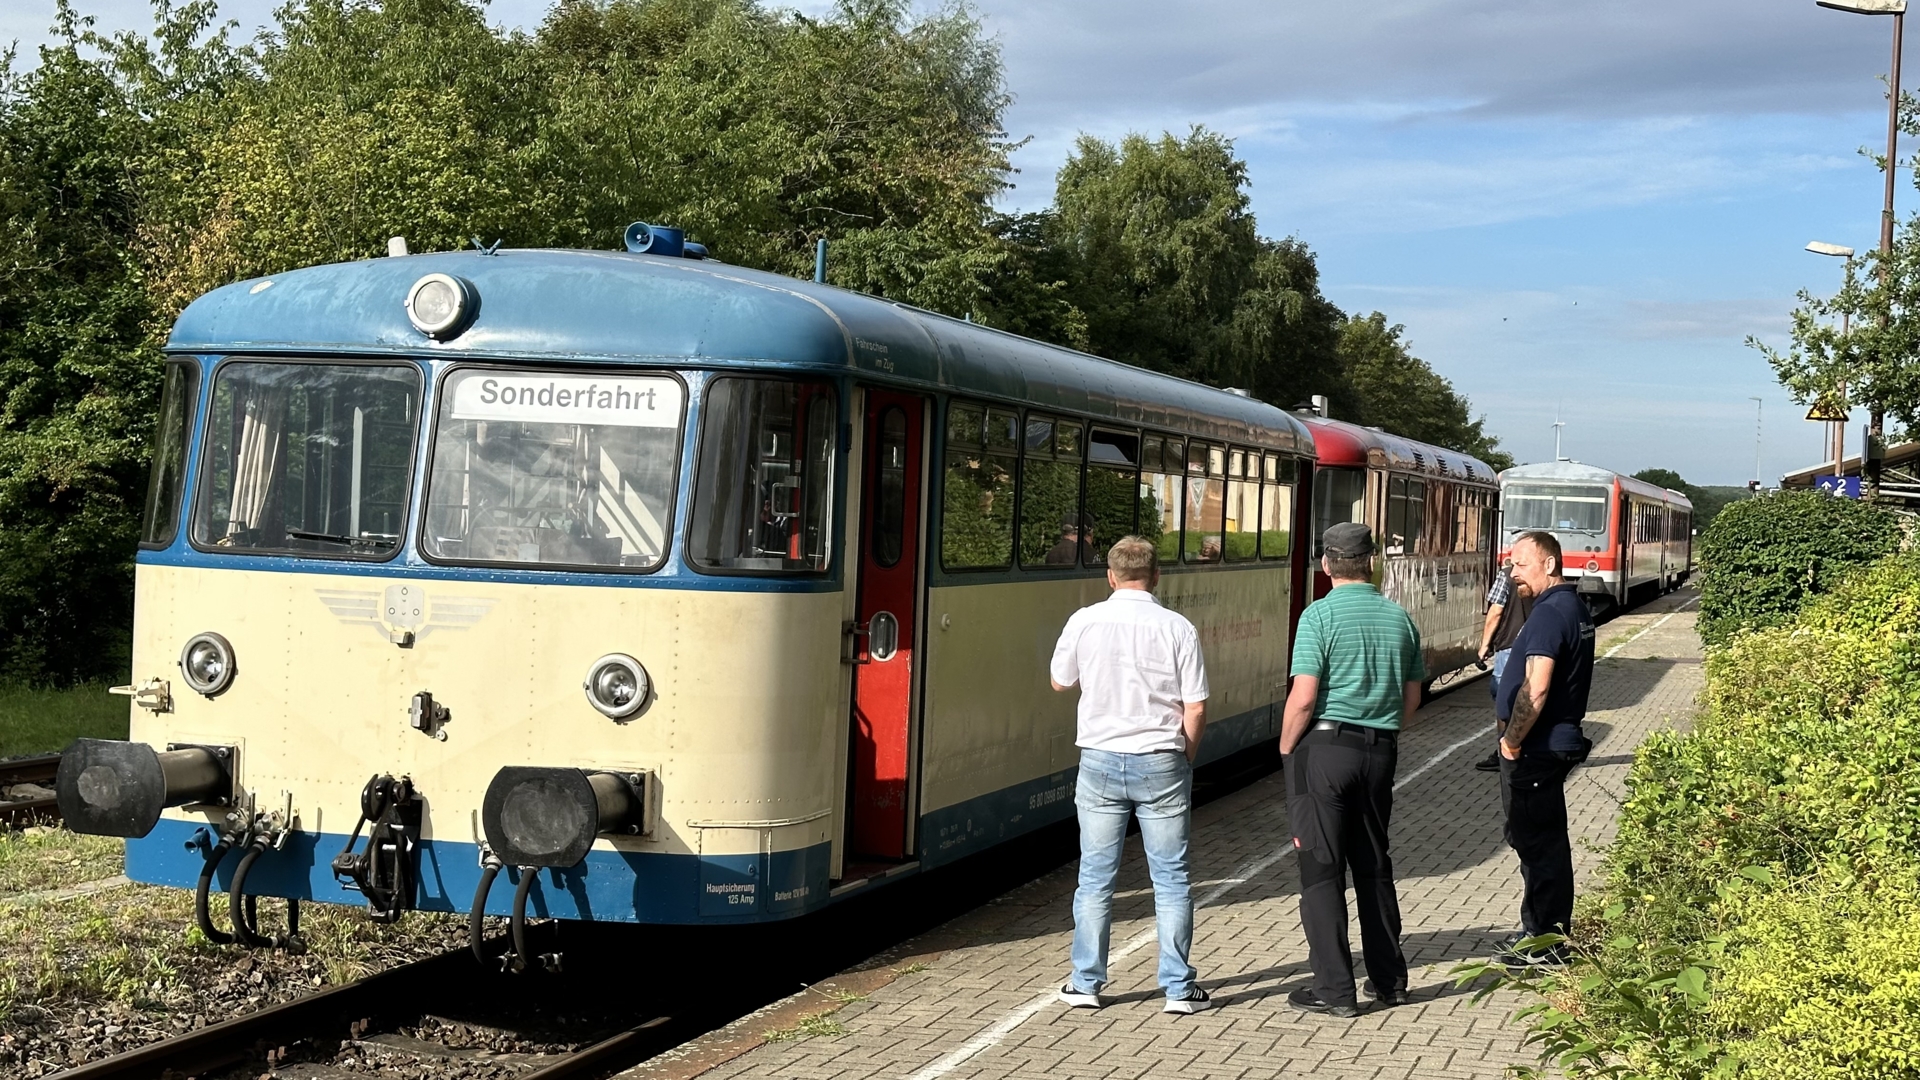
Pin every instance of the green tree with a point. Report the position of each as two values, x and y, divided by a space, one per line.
1861 346
1401 393
77 366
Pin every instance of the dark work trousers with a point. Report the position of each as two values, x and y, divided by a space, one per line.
1339 801
1533 791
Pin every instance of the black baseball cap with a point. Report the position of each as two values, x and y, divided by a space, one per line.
1347 540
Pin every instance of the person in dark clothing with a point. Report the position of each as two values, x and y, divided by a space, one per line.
1508 605
1357 672
1543 699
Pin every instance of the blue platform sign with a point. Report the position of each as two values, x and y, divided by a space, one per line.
1846 487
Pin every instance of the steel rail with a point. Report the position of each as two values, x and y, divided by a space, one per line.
400 989
37 769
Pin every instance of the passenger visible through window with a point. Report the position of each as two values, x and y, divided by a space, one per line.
1206 503
308 459
763 498
557 469
1050 521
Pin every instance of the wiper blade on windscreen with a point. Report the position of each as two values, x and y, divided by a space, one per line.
339 538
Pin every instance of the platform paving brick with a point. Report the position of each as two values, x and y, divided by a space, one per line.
1459 889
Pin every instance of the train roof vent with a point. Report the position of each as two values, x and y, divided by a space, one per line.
1418 460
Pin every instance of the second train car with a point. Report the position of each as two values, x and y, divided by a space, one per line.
1433 512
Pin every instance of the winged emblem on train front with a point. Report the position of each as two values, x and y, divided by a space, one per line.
403 614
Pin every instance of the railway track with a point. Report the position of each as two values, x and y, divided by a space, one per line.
625 993
26 790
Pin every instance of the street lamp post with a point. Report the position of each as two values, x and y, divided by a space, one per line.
1876 417
1757 405
1837 429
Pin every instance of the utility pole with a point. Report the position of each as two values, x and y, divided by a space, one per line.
1875 450
1757 406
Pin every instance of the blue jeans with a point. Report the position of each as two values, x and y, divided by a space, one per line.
1499 669
1158 789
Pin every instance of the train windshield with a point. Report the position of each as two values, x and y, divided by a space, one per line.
554 469
1557 509
308 459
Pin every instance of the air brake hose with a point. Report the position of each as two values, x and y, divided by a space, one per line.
490 869
201 915
527 876
243 928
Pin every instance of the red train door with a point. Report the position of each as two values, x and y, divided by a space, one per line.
886 615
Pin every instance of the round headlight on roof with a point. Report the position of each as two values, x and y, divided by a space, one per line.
207 663
617 685
440 305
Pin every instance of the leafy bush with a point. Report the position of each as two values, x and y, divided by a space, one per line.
1774 850
1762 558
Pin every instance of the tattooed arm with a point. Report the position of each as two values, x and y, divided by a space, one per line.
1527 705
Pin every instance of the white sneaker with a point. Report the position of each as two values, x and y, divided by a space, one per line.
1195 1001
1079 999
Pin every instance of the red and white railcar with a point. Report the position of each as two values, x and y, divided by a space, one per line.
1624 540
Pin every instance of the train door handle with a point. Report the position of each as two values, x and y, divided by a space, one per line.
850 634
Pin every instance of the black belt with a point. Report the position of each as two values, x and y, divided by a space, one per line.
1341 727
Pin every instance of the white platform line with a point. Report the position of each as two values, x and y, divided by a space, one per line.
1027 1010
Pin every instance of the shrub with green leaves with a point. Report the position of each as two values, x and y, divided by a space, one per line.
1763 558
1759 916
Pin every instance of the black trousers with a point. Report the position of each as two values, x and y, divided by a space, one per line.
1339 801
1533 790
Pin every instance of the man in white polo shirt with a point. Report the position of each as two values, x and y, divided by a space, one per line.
1143 707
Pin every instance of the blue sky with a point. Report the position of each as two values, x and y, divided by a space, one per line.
1579 207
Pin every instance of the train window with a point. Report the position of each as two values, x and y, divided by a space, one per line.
763 495
1162 467
1338 495
976 518
890 489
1206 504
1416 515
1241 539
555 469
1276 508
1555 507
308 459
1050 518
1114 496
1396 538
166 481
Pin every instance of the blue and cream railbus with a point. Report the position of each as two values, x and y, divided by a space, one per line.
670 591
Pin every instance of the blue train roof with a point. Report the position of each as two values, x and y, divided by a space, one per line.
622 308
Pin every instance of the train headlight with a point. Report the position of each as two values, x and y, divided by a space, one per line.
207 663
617 685
439 305
1593 565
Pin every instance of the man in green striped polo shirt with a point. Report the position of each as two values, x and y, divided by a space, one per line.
1357 674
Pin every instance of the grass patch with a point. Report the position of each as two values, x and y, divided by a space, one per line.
815 1026
910 969
41 721
36 859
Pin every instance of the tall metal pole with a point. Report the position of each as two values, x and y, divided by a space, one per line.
1876 417
1758 406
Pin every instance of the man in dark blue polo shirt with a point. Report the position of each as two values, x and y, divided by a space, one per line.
1543 699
